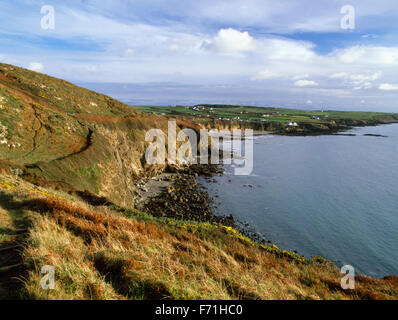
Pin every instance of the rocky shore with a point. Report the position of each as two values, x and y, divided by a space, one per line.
331 128
177 194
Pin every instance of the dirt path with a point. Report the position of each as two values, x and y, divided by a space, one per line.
84 148
12 269
36 132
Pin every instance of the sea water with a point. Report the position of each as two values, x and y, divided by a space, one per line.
333 196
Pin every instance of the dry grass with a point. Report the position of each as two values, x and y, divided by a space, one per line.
6 226
76 278
102 255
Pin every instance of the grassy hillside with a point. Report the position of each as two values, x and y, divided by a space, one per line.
58 134
69 164
107 252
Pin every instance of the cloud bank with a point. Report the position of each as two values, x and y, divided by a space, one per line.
281 49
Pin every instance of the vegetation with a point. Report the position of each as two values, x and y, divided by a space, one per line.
115 253
69 161
253 114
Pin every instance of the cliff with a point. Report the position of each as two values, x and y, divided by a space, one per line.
69 162
66 137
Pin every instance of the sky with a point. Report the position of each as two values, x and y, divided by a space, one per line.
315 54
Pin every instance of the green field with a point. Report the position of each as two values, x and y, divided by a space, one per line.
247 113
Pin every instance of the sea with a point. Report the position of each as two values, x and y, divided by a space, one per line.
334 196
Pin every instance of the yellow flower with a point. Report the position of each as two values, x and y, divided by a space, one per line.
7 186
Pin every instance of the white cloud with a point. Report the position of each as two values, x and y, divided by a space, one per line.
232 41
357 81
305 83
360 78
187 50
91 69
288 16
298 77
368 54
174 47
267 74
184 43
388 87
285 49
340 75
280 73
351 54
366 85
36 66
129 52
309 102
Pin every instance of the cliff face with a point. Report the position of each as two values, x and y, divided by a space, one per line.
56 134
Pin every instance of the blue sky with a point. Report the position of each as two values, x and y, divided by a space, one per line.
258 52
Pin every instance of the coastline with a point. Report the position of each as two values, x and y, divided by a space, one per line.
342 125
73 178
177 194
174 199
